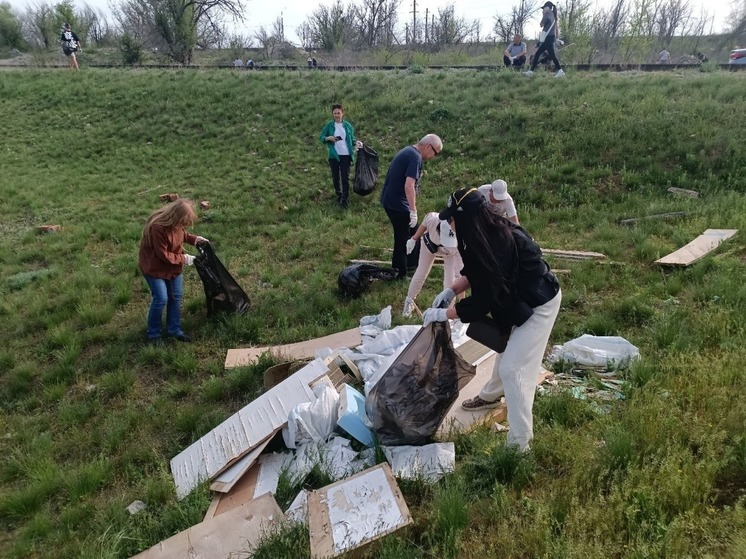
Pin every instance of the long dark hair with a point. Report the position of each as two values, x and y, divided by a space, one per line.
485 240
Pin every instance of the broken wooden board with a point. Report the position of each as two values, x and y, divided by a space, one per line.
353 512
669 215
698 248
458 419
298 350
226 480
243 431
232 534
573 254
683 192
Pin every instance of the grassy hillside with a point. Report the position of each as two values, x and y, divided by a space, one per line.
90 416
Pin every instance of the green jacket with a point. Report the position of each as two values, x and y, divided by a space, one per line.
328 130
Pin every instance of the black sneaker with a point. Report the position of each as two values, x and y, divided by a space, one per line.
182 338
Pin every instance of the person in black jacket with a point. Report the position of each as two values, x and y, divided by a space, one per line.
70 45
511 284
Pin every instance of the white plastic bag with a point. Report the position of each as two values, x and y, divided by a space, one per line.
612 352
429 462
312 421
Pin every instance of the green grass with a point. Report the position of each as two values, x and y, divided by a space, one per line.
90 416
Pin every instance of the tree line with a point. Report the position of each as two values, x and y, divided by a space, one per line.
177 27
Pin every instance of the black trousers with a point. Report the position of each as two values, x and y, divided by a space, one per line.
517 63
400 260
548 47
341 177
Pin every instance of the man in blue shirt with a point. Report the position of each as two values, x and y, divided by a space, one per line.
399 195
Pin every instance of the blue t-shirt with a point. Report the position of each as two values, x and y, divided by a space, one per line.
406 164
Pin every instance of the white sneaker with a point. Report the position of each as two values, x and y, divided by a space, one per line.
560 74
529 73
408 307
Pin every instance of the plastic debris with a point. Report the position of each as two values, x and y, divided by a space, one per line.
429 462
136 506
608 352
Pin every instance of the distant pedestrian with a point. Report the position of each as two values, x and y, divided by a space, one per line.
238 63
314 63
399 196
249 64
309 62
514 56
549 32
339 137
664 57
162 259
70 45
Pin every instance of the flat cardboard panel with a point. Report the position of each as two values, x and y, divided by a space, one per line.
355 511
243 431
228 535
698 248
299 350
226 480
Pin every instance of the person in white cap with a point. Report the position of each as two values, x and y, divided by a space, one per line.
497 195
438 239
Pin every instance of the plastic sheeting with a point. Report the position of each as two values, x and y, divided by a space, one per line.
429 462
313 421
609 352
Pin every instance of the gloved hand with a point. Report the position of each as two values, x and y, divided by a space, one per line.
560 42
199 240
434 315
411 243
188 259
412 219
444 298
359 144
512 58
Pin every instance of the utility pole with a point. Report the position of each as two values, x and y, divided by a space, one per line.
427 10
414 21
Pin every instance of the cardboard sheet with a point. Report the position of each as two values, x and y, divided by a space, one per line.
299 350
232 534
355 511
243 431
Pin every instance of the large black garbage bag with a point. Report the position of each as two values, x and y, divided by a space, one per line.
354 280
366 171
222 292
413 396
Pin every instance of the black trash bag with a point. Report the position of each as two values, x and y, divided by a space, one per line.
414 395
366 171
222 292
354 280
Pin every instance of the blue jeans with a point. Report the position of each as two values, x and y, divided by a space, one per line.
166 293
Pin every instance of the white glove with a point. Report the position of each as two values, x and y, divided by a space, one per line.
560 42
188 259
359 144
412 219
434 315
411 243
512 58
200 240
444 298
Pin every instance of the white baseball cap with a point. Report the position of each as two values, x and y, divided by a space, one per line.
447 235
500 189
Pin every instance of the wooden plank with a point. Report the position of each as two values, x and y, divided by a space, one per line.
243 431
669 215
298 350
386 263
698 248
232 534
353 512
683 192
573 254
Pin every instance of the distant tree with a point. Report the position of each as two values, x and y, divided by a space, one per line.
672 18
266 41
11 30
306 35
331 27
40 26
374 22
448 29
515 22
99 30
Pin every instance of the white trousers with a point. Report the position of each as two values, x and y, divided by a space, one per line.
452 265
517 371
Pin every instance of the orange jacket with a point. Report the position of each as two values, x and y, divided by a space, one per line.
162 256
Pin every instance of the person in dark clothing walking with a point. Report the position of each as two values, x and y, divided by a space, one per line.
549 33
339 137
399 196
70 45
